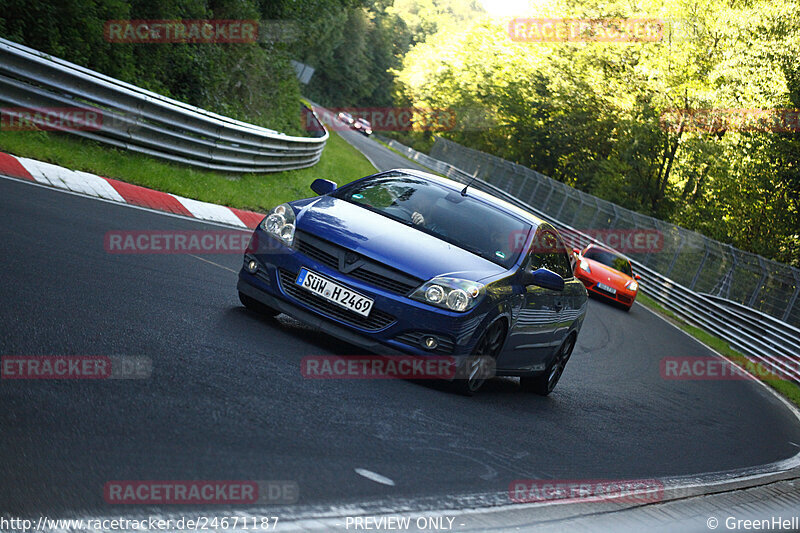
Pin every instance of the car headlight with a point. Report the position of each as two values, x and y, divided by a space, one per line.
450 293
632 285
585 266
280 223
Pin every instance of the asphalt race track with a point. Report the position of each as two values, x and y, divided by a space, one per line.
227 401
379 155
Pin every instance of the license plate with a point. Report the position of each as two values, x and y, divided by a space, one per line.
606 288
333 292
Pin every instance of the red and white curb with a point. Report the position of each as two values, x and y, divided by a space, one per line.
118 191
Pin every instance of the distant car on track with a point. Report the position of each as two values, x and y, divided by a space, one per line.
408 262
363 126
345 118
607 274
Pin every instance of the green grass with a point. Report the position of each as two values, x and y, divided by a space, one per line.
340 162
788 389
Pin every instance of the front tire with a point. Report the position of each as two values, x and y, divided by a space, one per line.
544 383
476 366
256 306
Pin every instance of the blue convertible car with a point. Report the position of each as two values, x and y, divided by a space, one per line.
408 262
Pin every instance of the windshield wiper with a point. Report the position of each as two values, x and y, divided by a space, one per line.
473 250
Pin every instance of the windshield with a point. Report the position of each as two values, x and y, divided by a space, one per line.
611 260
462 221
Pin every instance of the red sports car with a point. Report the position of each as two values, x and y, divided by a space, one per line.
607 274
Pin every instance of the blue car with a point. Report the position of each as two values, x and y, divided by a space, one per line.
405 262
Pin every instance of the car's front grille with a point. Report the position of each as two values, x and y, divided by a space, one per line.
414 338
314 252
368 271
384 282
376 320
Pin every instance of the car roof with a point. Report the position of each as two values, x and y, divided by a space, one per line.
474 193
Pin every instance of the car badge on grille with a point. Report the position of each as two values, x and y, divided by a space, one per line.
349 261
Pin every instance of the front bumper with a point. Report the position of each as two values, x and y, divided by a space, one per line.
312 319
623 296
397 324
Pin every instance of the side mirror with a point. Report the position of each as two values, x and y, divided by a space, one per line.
321 186
637 277
544 278
576 251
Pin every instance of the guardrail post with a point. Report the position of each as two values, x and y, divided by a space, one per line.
725 283
757 290
515 172
650 255
549 194
613 224
700 268
675 257
596 212
793 300
525 179
563 203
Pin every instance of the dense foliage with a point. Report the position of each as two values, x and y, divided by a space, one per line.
592 114
587 113
253 81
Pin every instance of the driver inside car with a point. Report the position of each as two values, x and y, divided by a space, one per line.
424 206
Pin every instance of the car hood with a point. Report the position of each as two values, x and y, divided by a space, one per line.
390 242
607 275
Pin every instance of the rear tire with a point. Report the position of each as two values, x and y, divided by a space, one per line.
256 306
544 383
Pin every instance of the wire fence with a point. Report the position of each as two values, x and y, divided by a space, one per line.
703 265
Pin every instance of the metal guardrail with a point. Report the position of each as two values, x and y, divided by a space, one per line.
138 120
762 338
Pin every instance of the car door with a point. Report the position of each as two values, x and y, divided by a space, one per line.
539 328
